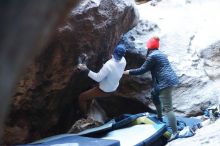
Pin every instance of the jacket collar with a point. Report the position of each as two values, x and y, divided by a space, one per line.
150 51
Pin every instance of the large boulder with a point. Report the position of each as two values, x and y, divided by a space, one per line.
192 48
45 102
26 27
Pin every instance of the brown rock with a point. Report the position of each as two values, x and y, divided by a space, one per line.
83 124
46 98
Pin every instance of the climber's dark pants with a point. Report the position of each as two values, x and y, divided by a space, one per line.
163 102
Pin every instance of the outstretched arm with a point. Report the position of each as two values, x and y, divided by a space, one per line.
141 70
100 75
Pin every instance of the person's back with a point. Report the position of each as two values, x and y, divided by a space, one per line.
116 69
161 70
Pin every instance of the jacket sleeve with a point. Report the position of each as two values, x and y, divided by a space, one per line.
144 68
100 75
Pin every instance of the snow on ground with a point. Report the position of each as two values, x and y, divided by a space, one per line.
196 19
188 29
207 136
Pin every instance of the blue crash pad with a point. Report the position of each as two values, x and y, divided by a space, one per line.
72 140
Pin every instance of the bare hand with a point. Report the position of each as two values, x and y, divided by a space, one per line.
126 72
82 67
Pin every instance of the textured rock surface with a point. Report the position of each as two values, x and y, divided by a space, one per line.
192 48
207 136
25 27
45 102
190 38
137 86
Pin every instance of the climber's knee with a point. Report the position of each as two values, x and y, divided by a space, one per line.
167 109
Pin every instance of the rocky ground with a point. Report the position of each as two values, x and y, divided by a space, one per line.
206 136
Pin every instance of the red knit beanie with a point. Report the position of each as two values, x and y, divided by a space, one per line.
153 43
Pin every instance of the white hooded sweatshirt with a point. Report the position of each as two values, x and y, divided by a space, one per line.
109 75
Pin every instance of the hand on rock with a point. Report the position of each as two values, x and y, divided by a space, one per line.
82 67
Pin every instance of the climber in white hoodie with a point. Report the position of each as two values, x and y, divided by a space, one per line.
108 78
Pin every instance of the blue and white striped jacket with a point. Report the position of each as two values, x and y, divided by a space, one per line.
163 75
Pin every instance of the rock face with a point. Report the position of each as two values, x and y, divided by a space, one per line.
135 40
192 48
189 34
25 29
45 102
